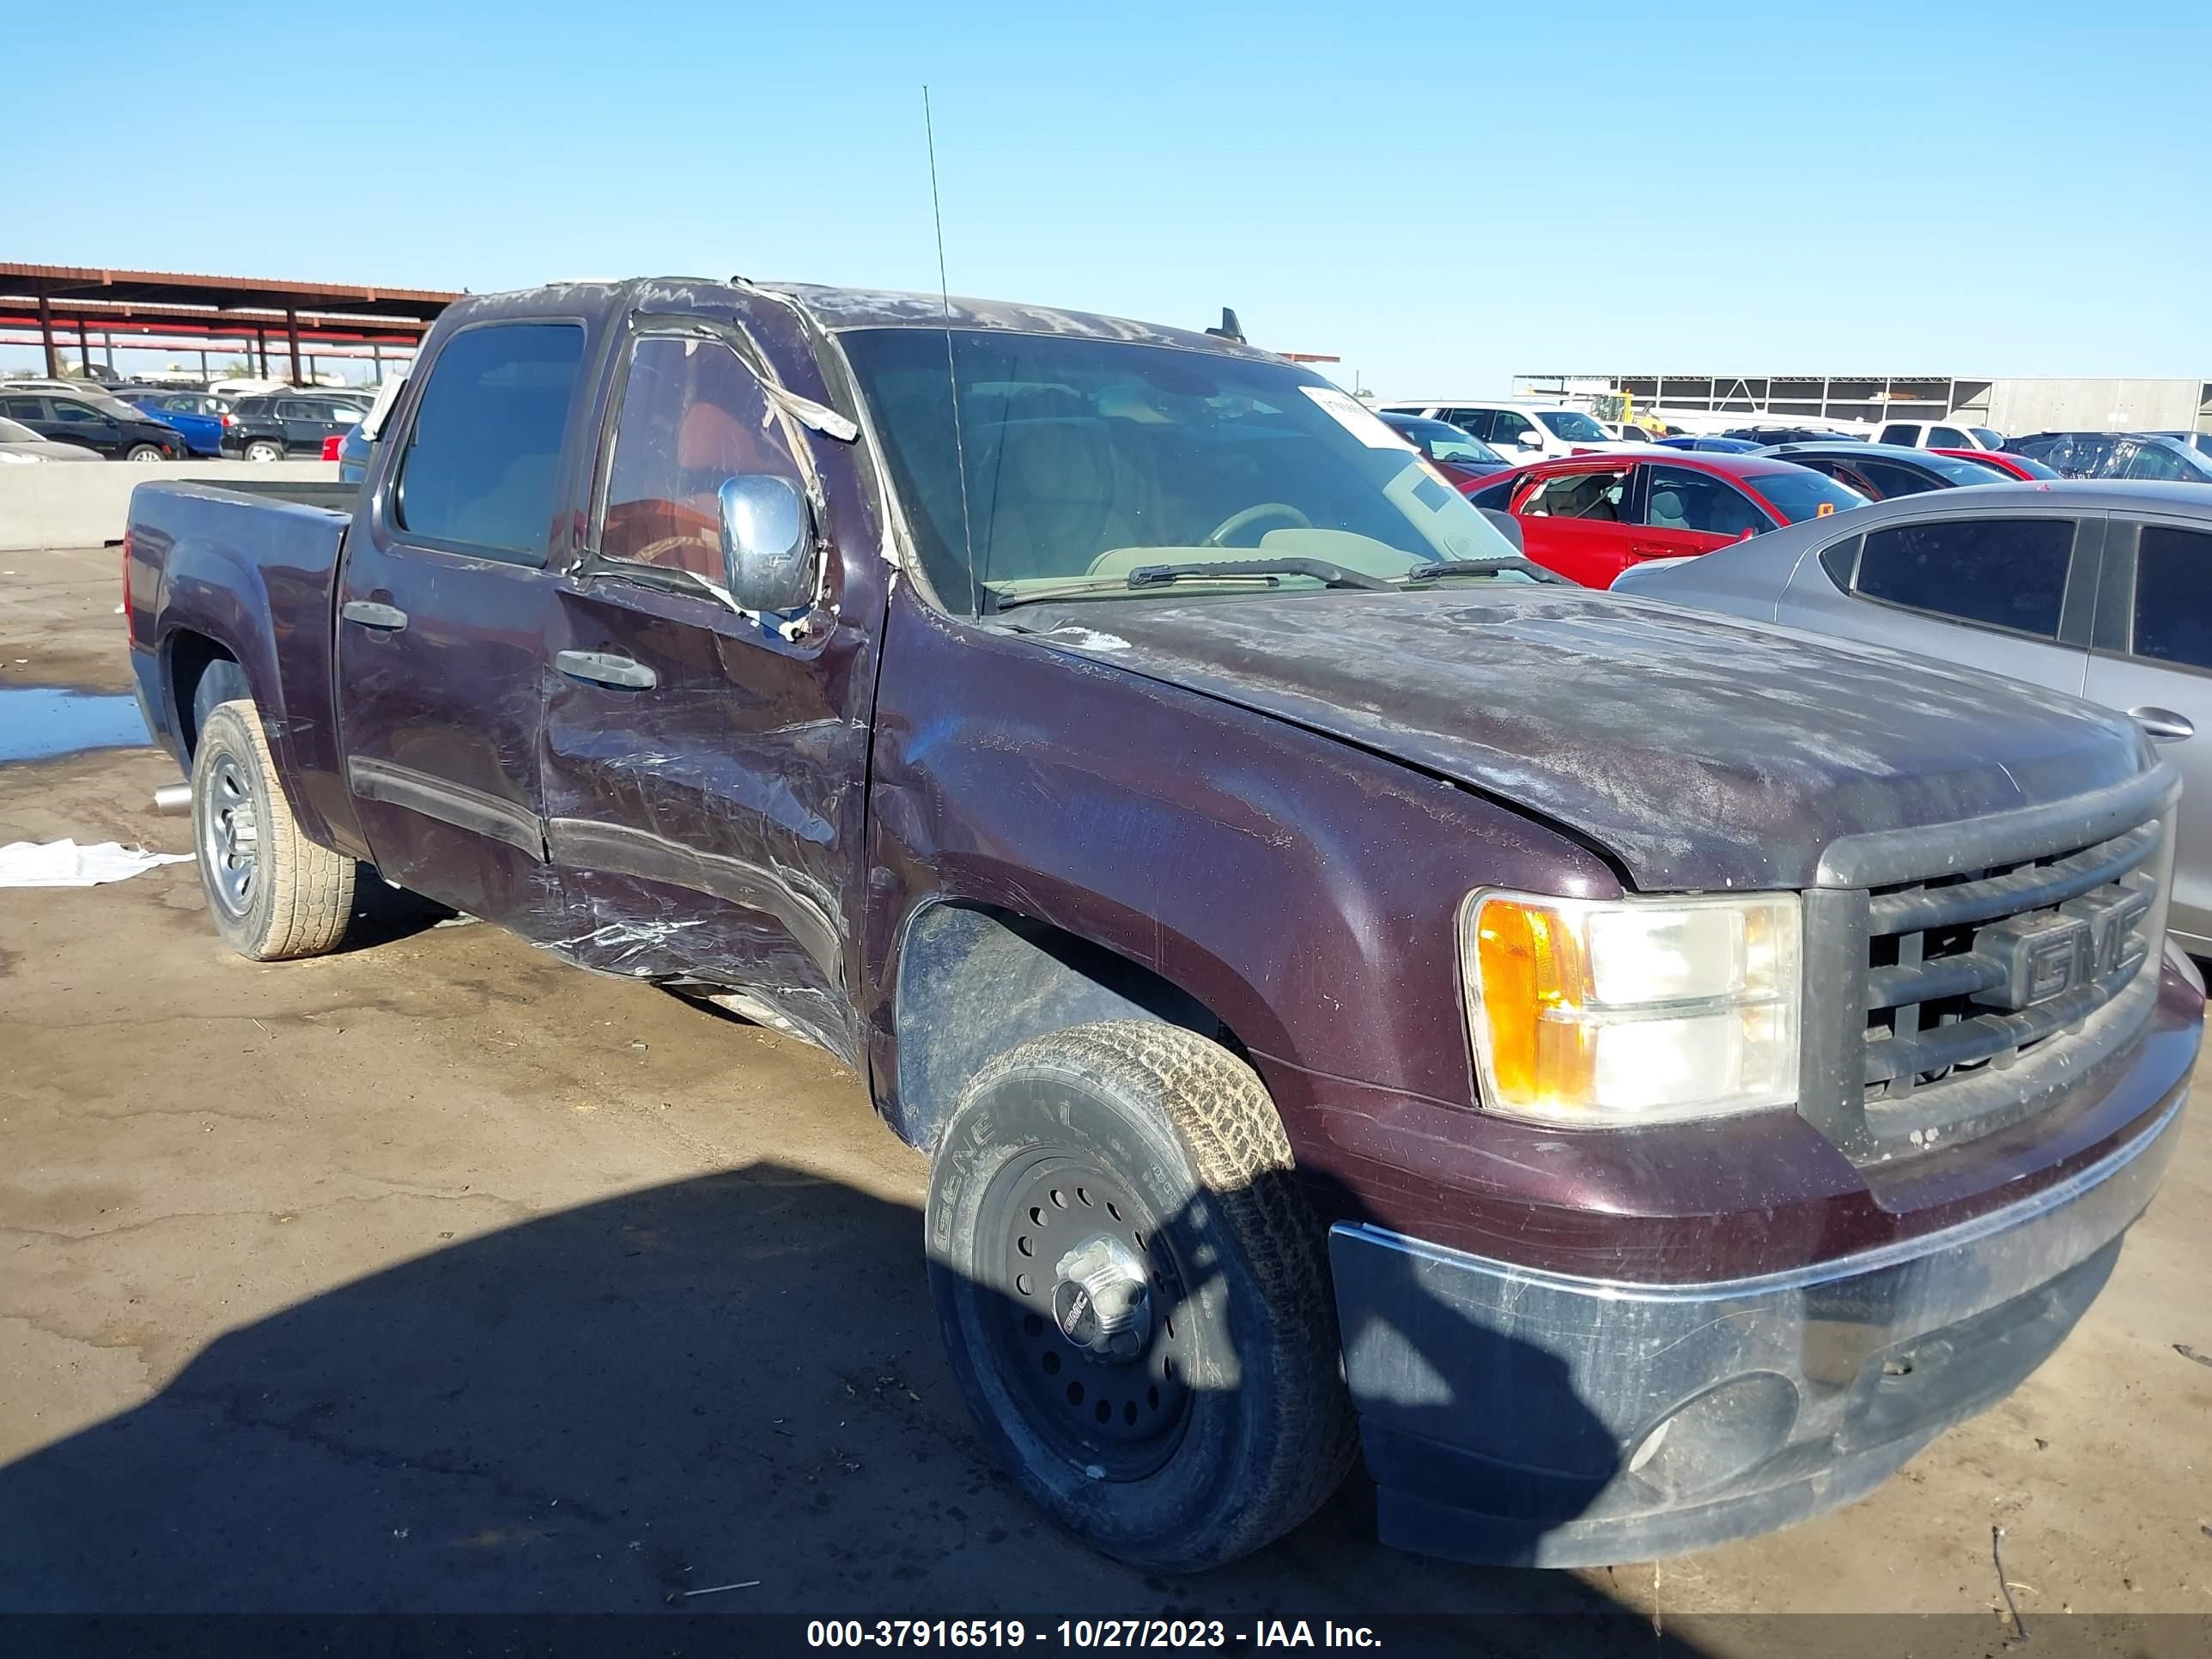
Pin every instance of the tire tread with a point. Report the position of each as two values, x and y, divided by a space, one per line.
311 887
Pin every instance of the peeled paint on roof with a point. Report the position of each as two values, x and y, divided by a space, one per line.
1704 752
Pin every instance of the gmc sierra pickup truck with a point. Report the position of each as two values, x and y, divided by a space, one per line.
1638 1075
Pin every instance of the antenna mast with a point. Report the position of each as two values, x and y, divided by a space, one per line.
951 373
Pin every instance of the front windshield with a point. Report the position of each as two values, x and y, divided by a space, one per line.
1087 460
1572 426
10 433
1802 493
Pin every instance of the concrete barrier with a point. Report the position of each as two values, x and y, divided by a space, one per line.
67 504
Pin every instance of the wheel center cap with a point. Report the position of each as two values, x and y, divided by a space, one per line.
1103 1301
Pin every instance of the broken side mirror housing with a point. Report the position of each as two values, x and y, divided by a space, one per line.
768 554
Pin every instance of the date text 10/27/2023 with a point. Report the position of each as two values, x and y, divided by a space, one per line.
1086 1633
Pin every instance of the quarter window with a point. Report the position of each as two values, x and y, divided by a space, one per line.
2173 596
1998 572
693 416
485 446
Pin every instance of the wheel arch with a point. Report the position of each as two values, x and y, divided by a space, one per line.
976 978
187 655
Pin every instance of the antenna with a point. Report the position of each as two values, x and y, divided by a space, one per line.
951 372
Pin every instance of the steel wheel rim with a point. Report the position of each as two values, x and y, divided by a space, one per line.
1117 1420
230 835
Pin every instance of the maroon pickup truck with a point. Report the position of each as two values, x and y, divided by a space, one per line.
1637 1075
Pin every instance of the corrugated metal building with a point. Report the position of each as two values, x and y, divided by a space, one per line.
2017 405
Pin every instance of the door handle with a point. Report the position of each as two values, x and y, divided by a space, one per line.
371 615
604 668
2163 725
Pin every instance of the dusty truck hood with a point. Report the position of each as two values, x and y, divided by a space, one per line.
1702 751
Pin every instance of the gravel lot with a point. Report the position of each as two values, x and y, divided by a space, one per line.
435 1275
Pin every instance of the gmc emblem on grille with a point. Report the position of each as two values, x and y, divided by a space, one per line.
2042 956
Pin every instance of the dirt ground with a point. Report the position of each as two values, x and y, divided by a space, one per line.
435 1275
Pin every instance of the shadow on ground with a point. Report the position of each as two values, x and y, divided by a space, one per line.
728 1379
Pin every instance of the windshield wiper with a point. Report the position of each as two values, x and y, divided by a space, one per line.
1320 570
1429 573
1164 576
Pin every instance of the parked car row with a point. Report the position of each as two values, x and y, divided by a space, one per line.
161 423
2101 590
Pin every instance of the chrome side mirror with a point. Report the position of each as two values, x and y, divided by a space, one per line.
767 555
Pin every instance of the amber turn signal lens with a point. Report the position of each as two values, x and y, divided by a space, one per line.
1531 967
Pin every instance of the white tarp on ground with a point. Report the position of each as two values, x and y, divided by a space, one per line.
65 863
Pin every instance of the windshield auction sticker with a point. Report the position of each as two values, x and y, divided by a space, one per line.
1355 417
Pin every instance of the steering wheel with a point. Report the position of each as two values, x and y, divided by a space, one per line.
1251 515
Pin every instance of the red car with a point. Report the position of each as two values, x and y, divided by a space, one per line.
2004 461
1591 517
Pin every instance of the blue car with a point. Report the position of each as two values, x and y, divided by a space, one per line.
197 415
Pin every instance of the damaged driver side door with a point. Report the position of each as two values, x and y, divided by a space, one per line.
700 763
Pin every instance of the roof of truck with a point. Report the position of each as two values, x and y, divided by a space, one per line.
836 309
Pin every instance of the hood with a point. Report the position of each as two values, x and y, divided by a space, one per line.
1703 751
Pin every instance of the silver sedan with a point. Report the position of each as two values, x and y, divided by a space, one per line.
2104 590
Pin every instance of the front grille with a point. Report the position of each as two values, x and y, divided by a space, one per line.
1972 996
1952 980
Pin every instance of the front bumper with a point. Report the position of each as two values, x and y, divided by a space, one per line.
1513 1416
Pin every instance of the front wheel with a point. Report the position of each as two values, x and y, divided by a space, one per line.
273 893
1133 1293
261 450
144 453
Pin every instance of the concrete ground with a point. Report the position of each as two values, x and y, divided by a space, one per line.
435 1275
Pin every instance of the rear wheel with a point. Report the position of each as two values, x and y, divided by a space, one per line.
262 450
144 453
273 893
1134 1296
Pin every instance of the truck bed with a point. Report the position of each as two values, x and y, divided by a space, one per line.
330 494
228 570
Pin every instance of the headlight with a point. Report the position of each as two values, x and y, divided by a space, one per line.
1632 1010
17 457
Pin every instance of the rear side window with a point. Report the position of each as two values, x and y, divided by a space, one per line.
481 457
1997 573
1907 435
1475 422
2156 461
2173 596
1684 499
1888 479
693 416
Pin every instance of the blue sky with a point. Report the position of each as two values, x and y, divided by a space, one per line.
1446 196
